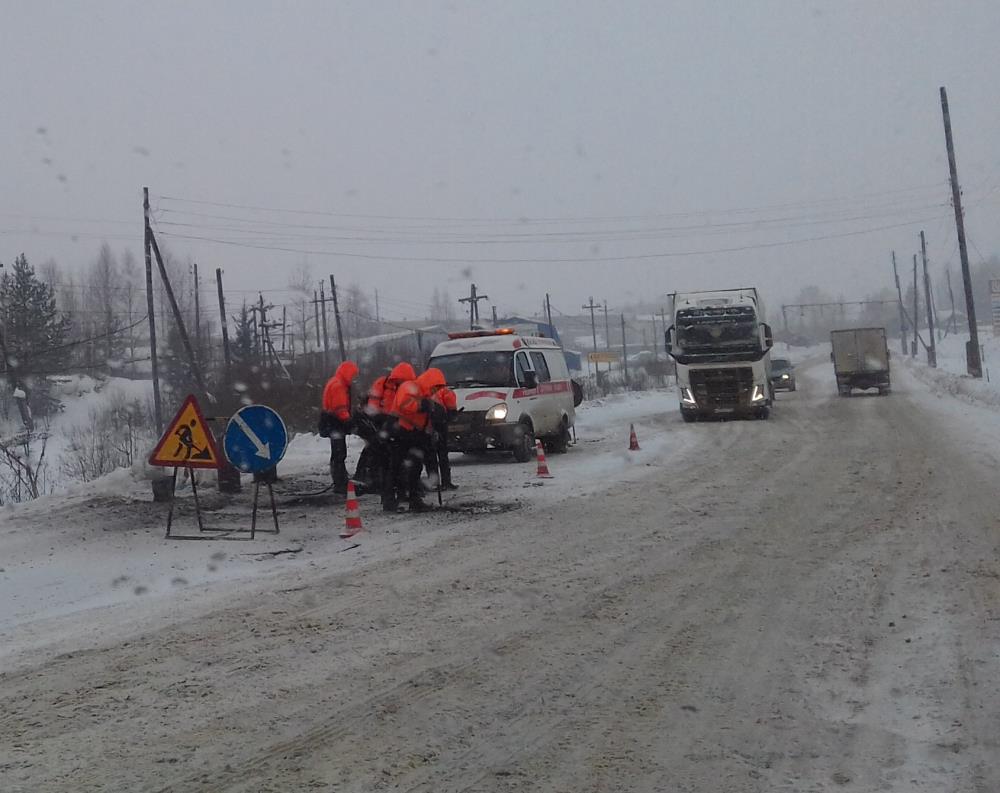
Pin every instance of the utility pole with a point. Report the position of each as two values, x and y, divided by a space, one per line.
263 330
973 359
222 321
326 338
593 326
494 316
378 316
473 301
899 294
624 353
548 309
197 312
607 331
336 316
931 349
151 311
319 341
179 319
916 311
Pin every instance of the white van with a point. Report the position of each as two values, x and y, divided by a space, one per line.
513 389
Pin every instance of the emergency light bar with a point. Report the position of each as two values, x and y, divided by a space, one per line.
472 334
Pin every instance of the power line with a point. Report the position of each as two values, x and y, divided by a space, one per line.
571 260
523 220
789 221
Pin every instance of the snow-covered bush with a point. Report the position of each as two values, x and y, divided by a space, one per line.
116 435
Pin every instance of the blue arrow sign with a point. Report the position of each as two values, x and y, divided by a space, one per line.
255 439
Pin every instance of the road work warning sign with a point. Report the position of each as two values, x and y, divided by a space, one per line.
187 441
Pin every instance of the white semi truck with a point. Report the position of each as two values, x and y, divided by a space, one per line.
722 347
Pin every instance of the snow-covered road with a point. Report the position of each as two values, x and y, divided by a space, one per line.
803 604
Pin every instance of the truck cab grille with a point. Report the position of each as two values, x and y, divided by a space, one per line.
722 388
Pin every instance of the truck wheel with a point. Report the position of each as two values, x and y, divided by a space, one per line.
524 443
688 416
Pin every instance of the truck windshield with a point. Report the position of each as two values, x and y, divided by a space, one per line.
470 369
710 330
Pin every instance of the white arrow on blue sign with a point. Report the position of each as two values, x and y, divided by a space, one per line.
255 439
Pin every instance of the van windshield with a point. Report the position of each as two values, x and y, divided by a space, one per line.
470 369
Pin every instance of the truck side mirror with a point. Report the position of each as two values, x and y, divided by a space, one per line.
668 339
768 336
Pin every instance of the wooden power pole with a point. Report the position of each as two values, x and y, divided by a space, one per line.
151 312
336 317
326 338
222 321
973 359
624 353
931 347
473 301
902 311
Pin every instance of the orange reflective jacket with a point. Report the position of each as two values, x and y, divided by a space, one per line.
374 404
400 374
337 393
407 407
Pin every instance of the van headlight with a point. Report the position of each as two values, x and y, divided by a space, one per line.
785 377
497 413
687 398
759 394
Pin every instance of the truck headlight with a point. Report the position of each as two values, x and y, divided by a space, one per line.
785 377
759 394
497 413
687 398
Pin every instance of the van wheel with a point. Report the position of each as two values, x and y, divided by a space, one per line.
559 443
524 443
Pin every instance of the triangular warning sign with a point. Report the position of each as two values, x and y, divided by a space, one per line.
187 441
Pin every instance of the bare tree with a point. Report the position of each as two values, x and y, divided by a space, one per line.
131 299
301 283
102 303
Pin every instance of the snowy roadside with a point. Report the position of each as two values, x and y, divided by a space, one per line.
82 568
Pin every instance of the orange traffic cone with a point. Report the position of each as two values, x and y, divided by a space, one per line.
352 524
543 467
633 441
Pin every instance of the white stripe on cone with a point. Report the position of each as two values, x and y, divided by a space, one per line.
352 523
543 467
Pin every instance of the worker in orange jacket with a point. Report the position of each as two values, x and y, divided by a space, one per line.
368 423
407 448
336 420
383 405
443 406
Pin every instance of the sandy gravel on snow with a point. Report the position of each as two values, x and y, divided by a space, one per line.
805 604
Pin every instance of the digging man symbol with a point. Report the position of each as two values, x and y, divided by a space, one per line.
186 443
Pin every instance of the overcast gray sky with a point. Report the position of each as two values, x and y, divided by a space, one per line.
619 150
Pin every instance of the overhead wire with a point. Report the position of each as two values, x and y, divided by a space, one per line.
524 220
551 259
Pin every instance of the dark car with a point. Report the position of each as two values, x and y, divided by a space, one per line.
782 374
